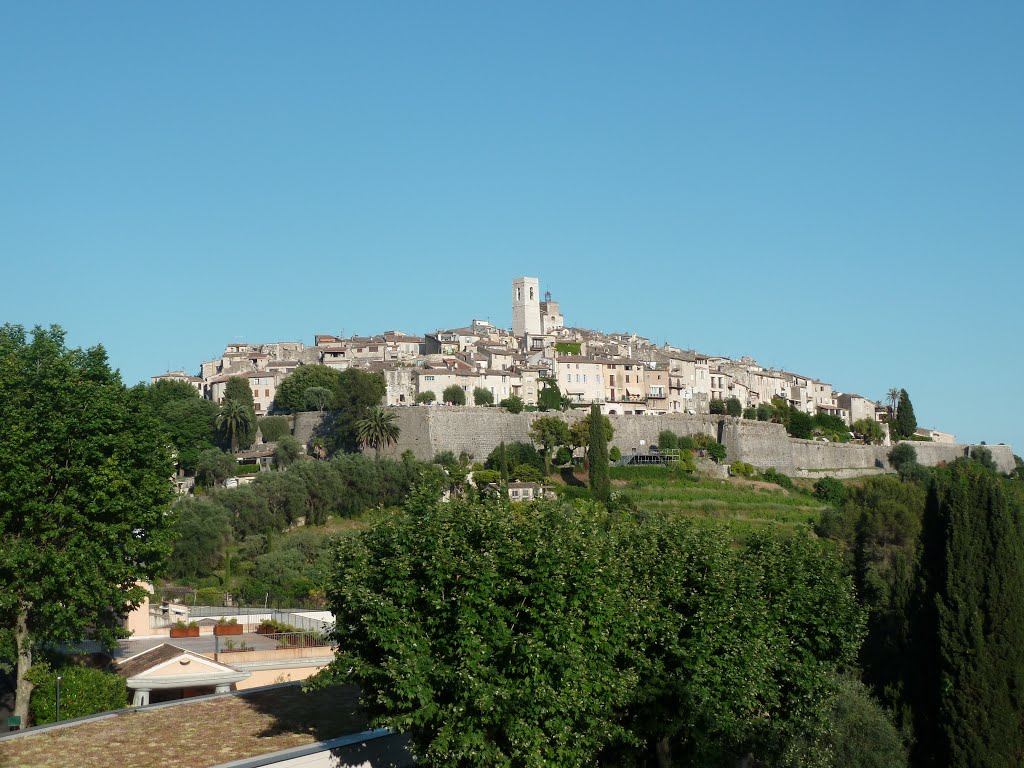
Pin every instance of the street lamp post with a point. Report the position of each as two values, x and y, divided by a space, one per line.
59 678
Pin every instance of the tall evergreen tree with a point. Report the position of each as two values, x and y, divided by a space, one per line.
904 424
237 391
969 632
600 482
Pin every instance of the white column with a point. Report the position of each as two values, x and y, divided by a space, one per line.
141 698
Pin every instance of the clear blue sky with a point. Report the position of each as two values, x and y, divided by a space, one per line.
835 188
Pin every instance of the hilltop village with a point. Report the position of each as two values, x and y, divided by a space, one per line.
624 373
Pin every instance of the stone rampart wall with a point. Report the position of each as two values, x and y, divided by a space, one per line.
428 430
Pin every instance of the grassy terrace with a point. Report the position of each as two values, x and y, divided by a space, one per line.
739 505
194 735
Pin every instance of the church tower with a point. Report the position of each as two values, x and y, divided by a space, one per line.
525 306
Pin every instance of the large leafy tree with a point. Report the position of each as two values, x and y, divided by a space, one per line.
549 432
189 421
291 395
490 637
358 393
84 471
378 429
454 394
570 636
579 432
969 635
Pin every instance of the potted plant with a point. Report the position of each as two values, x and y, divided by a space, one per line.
181 629
227 627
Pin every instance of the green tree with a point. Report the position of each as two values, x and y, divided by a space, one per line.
426 397
237 391
512 454
84 471
287 451
765 412
318 398
550 398
214 467
893 396
291 394
378 429
799 424
482 396
189 421
235 421
717 407
830 490
579 433
202 533
717 452
905 424
868 429
358 393
454 394
903 458
549 432
490 637
969 636
667 440
513 404
750 413
734 407
600 481
273 428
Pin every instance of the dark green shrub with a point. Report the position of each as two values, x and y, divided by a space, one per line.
83 691
831 491
273 428
513 404
667 440
771 475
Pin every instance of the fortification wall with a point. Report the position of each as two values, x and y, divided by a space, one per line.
761 444
931 454
428 430
818 456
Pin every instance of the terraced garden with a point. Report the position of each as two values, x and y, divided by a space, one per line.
739 505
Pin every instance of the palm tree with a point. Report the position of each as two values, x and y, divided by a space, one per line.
377 429
894 397
235 420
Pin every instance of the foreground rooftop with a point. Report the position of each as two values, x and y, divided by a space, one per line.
196 733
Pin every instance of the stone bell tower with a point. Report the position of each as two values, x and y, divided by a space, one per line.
525 306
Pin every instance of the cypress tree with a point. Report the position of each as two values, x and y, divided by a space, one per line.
905 424
503 463
600 482
969 631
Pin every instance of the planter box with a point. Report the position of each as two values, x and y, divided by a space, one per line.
184 631
227 629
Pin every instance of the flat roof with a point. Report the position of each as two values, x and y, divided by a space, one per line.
196 733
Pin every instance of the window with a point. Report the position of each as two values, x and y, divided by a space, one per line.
266 393
428 378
